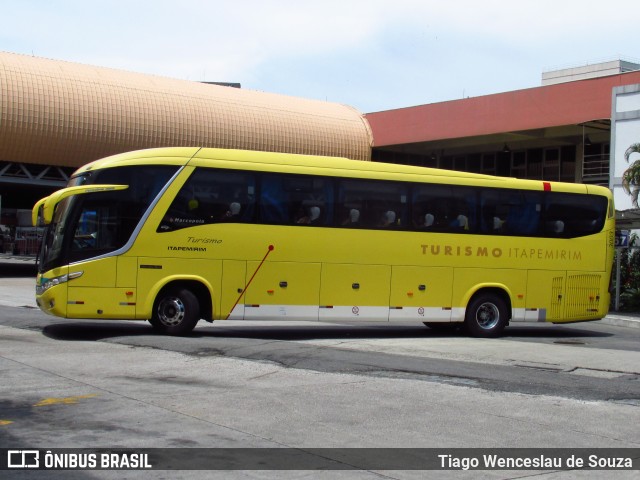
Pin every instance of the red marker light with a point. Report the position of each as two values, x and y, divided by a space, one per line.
547 186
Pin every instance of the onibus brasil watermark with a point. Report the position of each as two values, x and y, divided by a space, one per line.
287 458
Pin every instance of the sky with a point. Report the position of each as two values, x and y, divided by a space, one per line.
373 55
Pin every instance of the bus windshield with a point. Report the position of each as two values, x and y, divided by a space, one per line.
94 224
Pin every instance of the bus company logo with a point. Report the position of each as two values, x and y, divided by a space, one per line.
421 311
23 459
460 251
178 248
496 252
355 311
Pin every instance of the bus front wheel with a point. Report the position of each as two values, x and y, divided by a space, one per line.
486 315
175 312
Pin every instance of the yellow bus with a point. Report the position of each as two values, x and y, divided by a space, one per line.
175 235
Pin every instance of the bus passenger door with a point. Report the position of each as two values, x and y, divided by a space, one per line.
355 292
545 296
234 273
282 291
421 293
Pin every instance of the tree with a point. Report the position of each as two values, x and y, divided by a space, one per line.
631 176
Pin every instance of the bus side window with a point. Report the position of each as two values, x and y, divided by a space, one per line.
351 218
273 208
571 215
351 202
373 204
295 200
509 212
555 224
463 210
491 213
442 208
211 196
431 207
233 213
525 209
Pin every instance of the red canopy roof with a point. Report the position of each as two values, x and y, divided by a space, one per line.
568 103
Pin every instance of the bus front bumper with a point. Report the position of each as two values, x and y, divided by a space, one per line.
51 294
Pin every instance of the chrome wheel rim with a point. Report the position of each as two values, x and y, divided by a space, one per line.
171 311
487 316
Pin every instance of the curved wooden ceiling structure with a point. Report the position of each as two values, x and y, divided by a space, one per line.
67 114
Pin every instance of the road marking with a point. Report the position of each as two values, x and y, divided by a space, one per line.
64 401
5 422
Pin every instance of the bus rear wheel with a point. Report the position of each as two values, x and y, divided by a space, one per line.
175 312
486 315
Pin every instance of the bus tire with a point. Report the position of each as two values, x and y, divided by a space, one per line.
175 312
486 315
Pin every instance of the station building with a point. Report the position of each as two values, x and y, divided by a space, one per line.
56 116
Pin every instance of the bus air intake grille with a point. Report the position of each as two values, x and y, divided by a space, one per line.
583 296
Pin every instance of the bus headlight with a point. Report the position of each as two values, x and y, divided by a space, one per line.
47 283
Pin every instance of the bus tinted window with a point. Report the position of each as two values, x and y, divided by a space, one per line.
217 196
212 196
371 204
510 212
570 215
441 208
295 200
